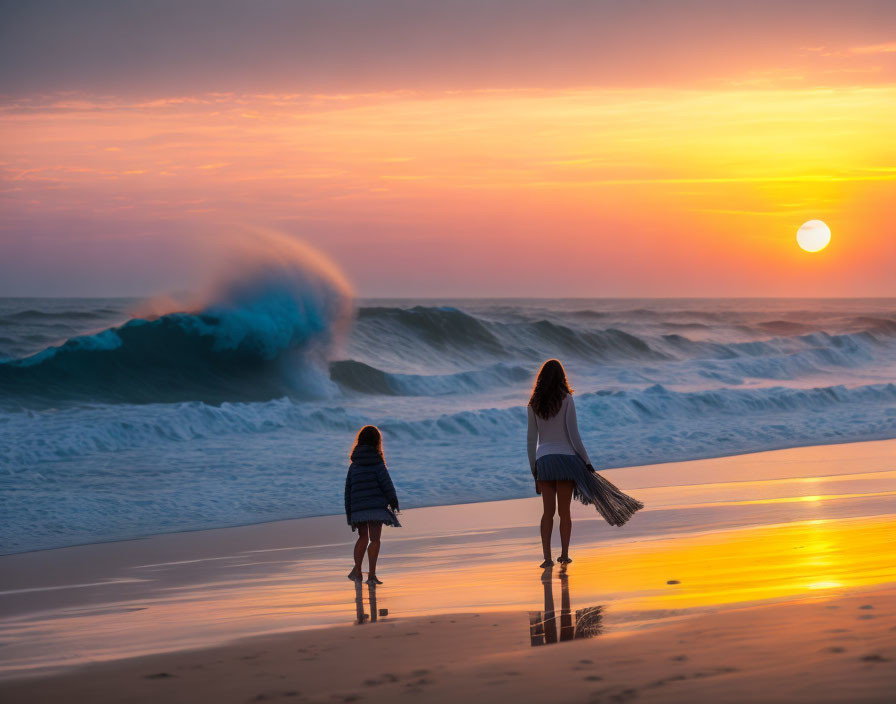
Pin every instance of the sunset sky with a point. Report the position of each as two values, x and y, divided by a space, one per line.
453 148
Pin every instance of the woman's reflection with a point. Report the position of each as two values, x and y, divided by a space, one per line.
543 624
361 616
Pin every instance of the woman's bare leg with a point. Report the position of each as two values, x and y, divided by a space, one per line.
564 498
360 547
548 495
373 550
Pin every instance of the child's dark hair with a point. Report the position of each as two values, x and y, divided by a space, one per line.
370 435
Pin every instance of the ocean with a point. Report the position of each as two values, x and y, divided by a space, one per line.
115 425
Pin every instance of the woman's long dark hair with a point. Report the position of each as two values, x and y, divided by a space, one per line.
369 435
551 387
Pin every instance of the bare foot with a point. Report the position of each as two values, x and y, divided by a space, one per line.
372 579
354 575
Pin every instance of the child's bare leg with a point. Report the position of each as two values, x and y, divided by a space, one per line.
360 547
373 550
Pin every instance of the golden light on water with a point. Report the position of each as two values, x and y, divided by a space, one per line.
813 236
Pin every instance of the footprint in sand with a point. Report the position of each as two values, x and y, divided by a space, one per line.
268 696
833 649
417 685
874 657
614 694
866 607
713 673
159 676
679 658
662 682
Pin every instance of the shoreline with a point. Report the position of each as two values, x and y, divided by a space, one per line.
771 534
610 472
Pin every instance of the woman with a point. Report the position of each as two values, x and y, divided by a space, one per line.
370 500
560 464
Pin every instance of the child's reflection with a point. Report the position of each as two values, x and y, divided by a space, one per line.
361 615
543 624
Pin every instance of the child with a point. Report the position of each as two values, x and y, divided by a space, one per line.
370 499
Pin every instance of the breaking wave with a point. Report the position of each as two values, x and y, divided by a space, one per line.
254 338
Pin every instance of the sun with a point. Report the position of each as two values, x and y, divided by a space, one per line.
813 236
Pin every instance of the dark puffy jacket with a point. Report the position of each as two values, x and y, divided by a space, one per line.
368 484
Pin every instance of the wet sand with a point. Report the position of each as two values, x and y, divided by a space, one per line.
824 650
764 577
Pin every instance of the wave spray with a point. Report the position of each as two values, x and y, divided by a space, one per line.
261 329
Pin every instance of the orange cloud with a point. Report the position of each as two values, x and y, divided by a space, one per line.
643 187
887 48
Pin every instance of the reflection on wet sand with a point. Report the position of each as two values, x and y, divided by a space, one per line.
361 616
543 624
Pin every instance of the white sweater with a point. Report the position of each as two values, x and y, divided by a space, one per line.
557 435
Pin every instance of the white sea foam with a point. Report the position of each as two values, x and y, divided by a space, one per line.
267 437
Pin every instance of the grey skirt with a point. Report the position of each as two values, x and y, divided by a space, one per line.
590 488
380 515
559 468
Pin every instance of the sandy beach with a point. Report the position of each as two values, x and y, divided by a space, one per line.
762 577
837 649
